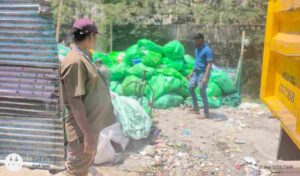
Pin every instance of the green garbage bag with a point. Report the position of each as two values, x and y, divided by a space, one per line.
114 55
62 51
214 102
213 90
135 122
151 59
145 44
168 101
166 71
223 81
131 86
116 87
146 104
189 101
176 64
189 61
186 71
183 89
131 53
174 50
162 85
113 85
106 60
118 72
233 100
139 70
98 55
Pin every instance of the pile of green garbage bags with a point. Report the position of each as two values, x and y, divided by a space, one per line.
159 74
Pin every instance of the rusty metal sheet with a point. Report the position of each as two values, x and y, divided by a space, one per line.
31 122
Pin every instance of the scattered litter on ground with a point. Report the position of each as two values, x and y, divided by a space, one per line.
191 147
250 160
186 132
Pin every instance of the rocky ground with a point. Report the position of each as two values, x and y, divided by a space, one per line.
233 142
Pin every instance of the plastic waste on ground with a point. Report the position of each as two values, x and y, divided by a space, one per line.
105 150
186 132
135 122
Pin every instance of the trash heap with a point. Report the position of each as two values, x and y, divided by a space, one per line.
159 74
168 157
165 70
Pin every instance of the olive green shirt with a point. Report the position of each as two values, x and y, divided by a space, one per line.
80 78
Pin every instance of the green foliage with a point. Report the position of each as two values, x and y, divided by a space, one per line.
71 10
136 12
130 21
230 12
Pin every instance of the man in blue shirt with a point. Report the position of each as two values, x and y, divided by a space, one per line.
201 73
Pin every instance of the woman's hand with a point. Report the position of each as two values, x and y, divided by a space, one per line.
90 145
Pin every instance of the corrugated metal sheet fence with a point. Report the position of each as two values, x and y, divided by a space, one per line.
31 122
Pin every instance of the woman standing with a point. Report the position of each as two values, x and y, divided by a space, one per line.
86 97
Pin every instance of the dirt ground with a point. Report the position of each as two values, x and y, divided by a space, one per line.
233 142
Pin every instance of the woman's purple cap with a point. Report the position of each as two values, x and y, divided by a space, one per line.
86 25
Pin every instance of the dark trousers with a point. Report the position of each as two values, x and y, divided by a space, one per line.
196 81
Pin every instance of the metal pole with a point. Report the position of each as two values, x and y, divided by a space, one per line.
240 64
111 37
58 20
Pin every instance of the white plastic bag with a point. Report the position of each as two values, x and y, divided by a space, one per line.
105 151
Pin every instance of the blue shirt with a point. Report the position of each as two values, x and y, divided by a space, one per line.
203 55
